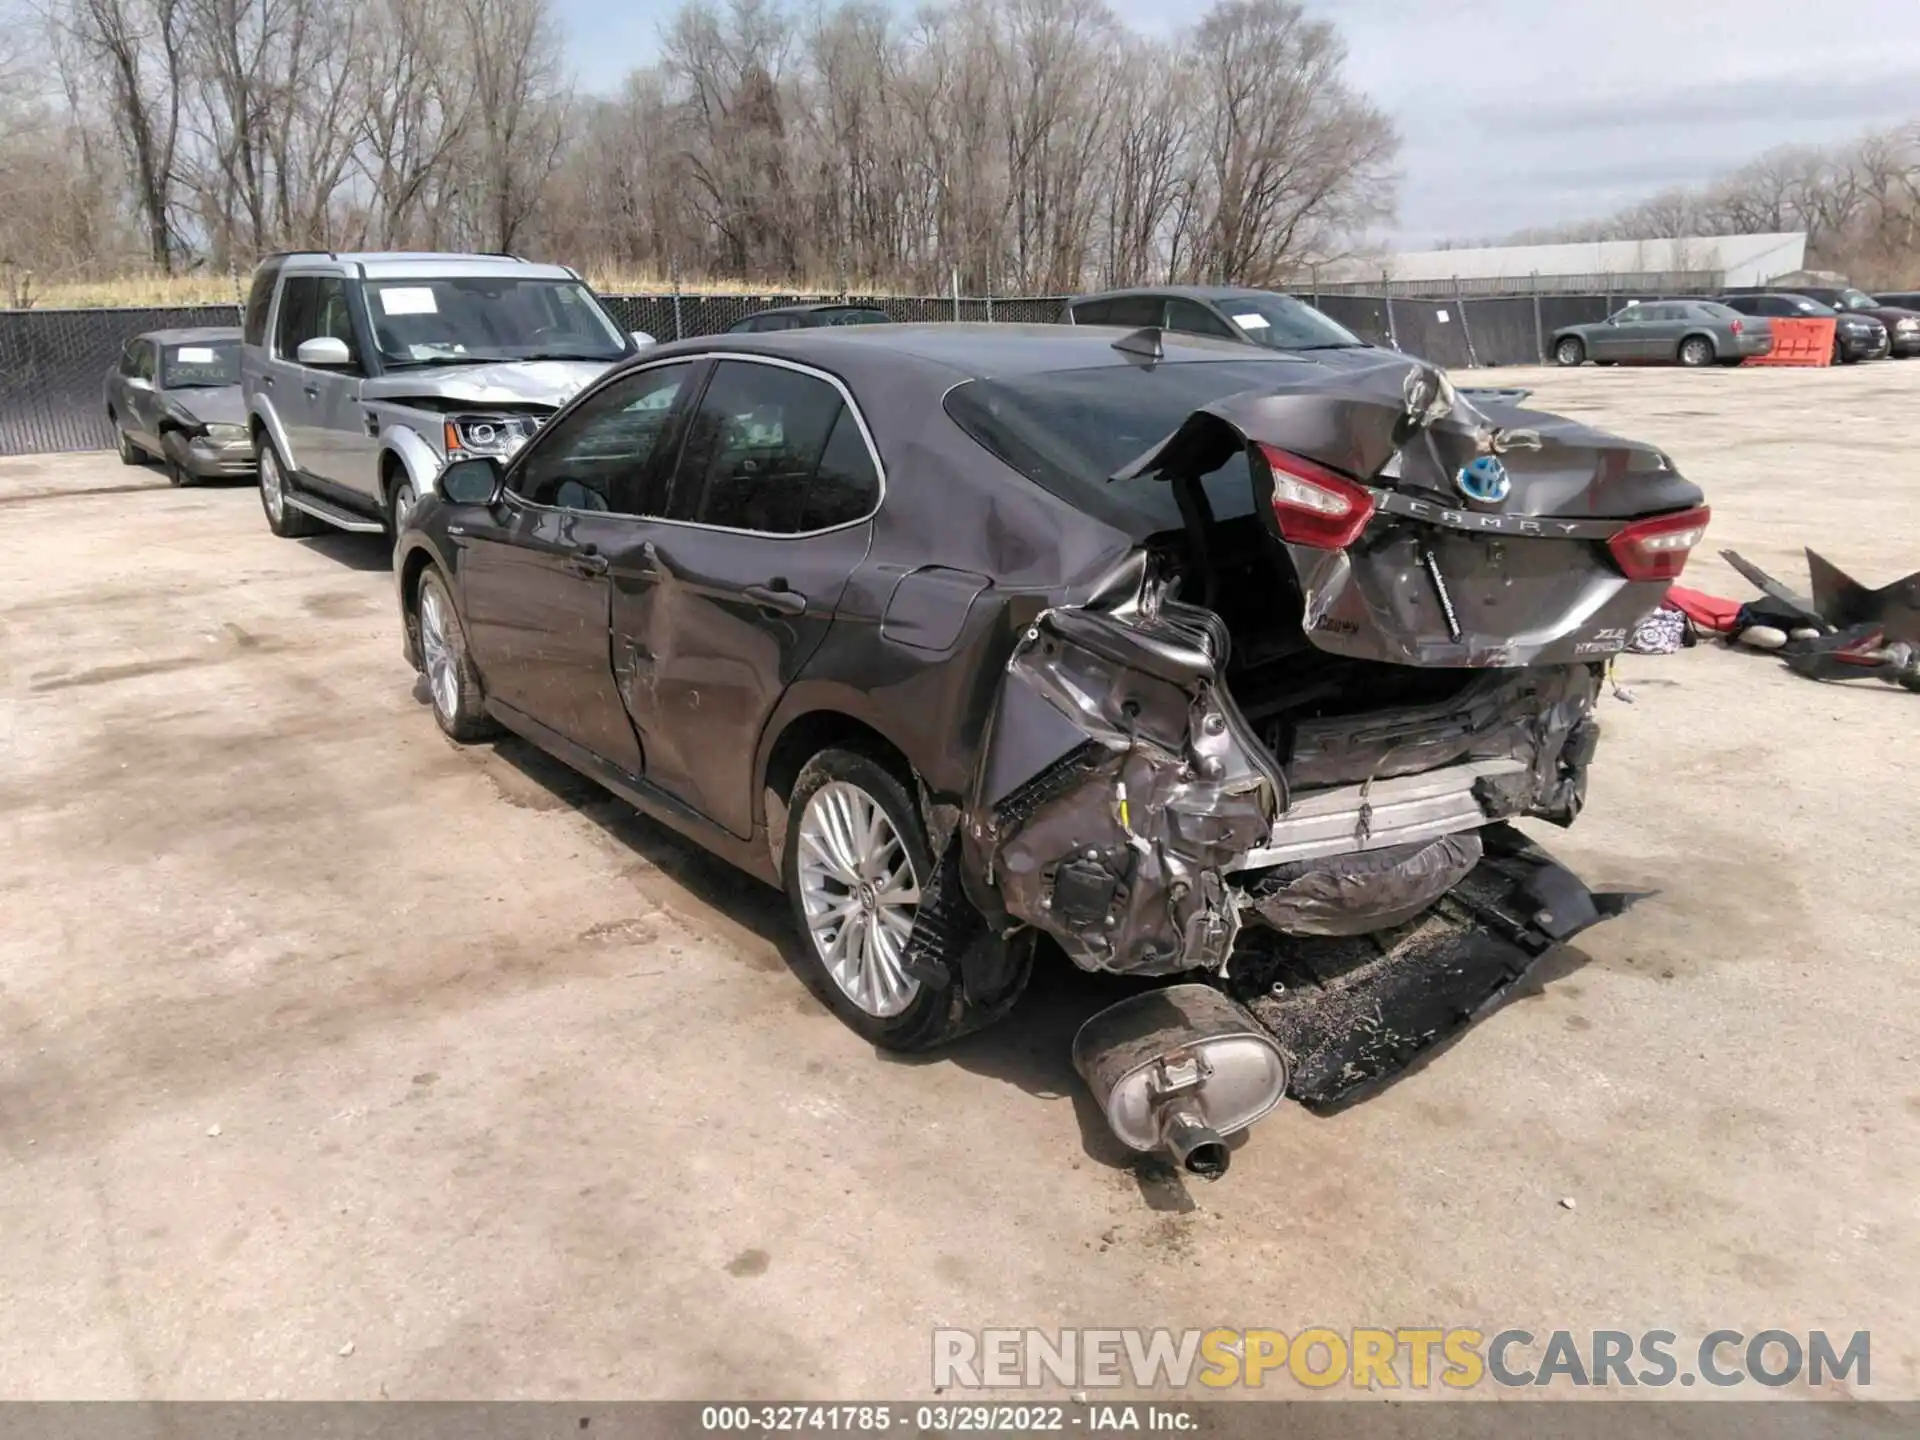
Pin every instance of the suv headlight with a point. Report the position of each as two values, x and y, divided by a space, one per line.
496 435
1907 326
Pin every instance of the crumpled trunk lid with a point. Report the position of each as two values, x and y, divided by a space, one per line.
1488 538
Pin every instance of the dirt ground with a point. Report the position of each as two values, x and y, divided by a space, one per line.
336 1061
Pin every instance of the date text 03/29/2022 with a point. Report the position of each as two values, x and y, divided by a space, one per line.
949 1419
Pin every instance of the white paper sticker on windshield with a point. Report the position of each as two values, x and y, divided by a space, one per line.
412 300
196 355
1250 321
1442 317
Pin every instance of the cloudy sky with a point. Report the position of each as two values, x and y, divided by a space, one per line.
1519 113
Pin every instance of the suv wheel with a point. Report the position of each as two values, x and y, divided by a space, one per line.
283 519
404 499
1696 351
453 685
1570 351
855 863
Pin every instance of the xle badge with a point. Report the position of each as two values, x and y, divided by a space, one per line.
1484 479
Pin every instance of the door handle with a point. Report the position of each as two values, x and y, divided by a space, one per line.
372 422
587 561
777 598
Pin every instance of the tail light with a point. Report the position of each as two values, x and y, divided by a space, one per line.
1657 549
1737 328
1313 505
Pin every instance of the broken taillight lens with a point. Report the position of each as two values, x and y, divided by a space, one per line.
1737 328
1313 505
1657 549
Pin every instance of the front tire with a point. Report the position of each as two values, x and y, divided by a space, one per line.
1696 352
282 518
175 445
1570 351
855 862
453 685
130 453
404 499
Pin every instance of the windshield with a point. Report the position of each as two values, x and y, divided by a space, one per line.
1857 300
455 321
1281 322
199 366
1069 430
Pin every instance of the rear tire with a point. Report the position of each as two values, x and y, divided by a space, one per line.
1570 351
453 685
855 847
1696 352
283 519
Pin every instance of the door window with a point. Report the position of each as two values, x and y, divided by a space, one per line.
143 356
601 456
312 307
773 450
1196 319
1094 312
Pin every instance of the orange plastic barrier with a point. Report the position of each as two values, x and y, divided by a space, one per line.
1798 342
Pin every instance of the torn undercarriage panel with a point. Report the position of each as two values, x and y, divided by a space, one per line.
1125 808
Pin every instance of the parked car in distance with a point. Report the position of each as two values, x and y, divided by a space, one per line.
802 317
1902 321
175 395
1855 337
1261 317
1899 299
965 635
364 374
1664 332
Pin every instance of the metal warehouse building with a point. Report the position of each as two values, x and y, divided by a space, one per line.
1692 263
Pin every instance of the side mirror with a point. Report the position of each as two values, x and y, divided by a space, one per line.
474 481
139 382
323 352
642 339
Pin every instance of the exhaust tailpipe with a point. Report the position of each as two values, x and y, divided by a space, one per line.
1178 1070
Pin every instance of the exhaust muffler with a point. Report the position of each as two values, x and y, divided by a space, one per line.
1179 1070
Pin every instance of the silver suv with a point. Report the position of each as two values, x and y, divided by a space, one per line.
364 374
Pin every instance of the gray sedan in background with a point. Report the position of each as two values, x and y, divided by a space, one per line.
1669 332
174 395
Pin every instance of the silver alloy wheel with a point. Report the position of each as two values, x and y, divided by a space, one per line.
271 489
443 672
1696 352
860 896
1569 353
404 500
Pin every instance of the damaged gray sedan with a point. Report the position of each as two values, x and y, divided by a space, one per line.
992 644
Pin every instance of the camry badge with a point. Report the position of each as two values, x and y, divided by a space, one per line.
1484 479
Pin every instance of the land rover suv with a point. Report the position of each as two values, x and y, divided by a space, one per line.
364 374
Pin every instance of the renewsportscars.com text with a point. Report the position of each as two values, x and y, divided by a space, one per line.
1413 1358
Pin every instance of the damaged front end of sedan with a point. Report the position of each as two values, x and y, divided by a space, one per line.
1277 753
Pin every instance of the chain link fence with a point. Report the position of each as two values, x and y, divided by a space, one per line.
54 363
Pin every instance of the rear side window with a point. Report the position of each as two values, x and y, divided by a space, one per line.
773 450
1136 312
260 302
1093 312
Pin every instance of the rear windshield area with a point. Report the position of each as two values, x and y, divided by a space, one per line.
1068 431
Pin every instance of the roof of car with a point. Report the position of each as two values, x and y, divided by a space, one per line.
424 265
204 334
978 351
814 307
1185 292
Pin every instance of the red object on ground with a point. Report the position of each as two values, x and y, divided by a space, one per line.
1709 612
1798 342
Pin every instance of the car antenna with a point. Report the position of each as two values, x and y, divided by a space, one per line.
1142 342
